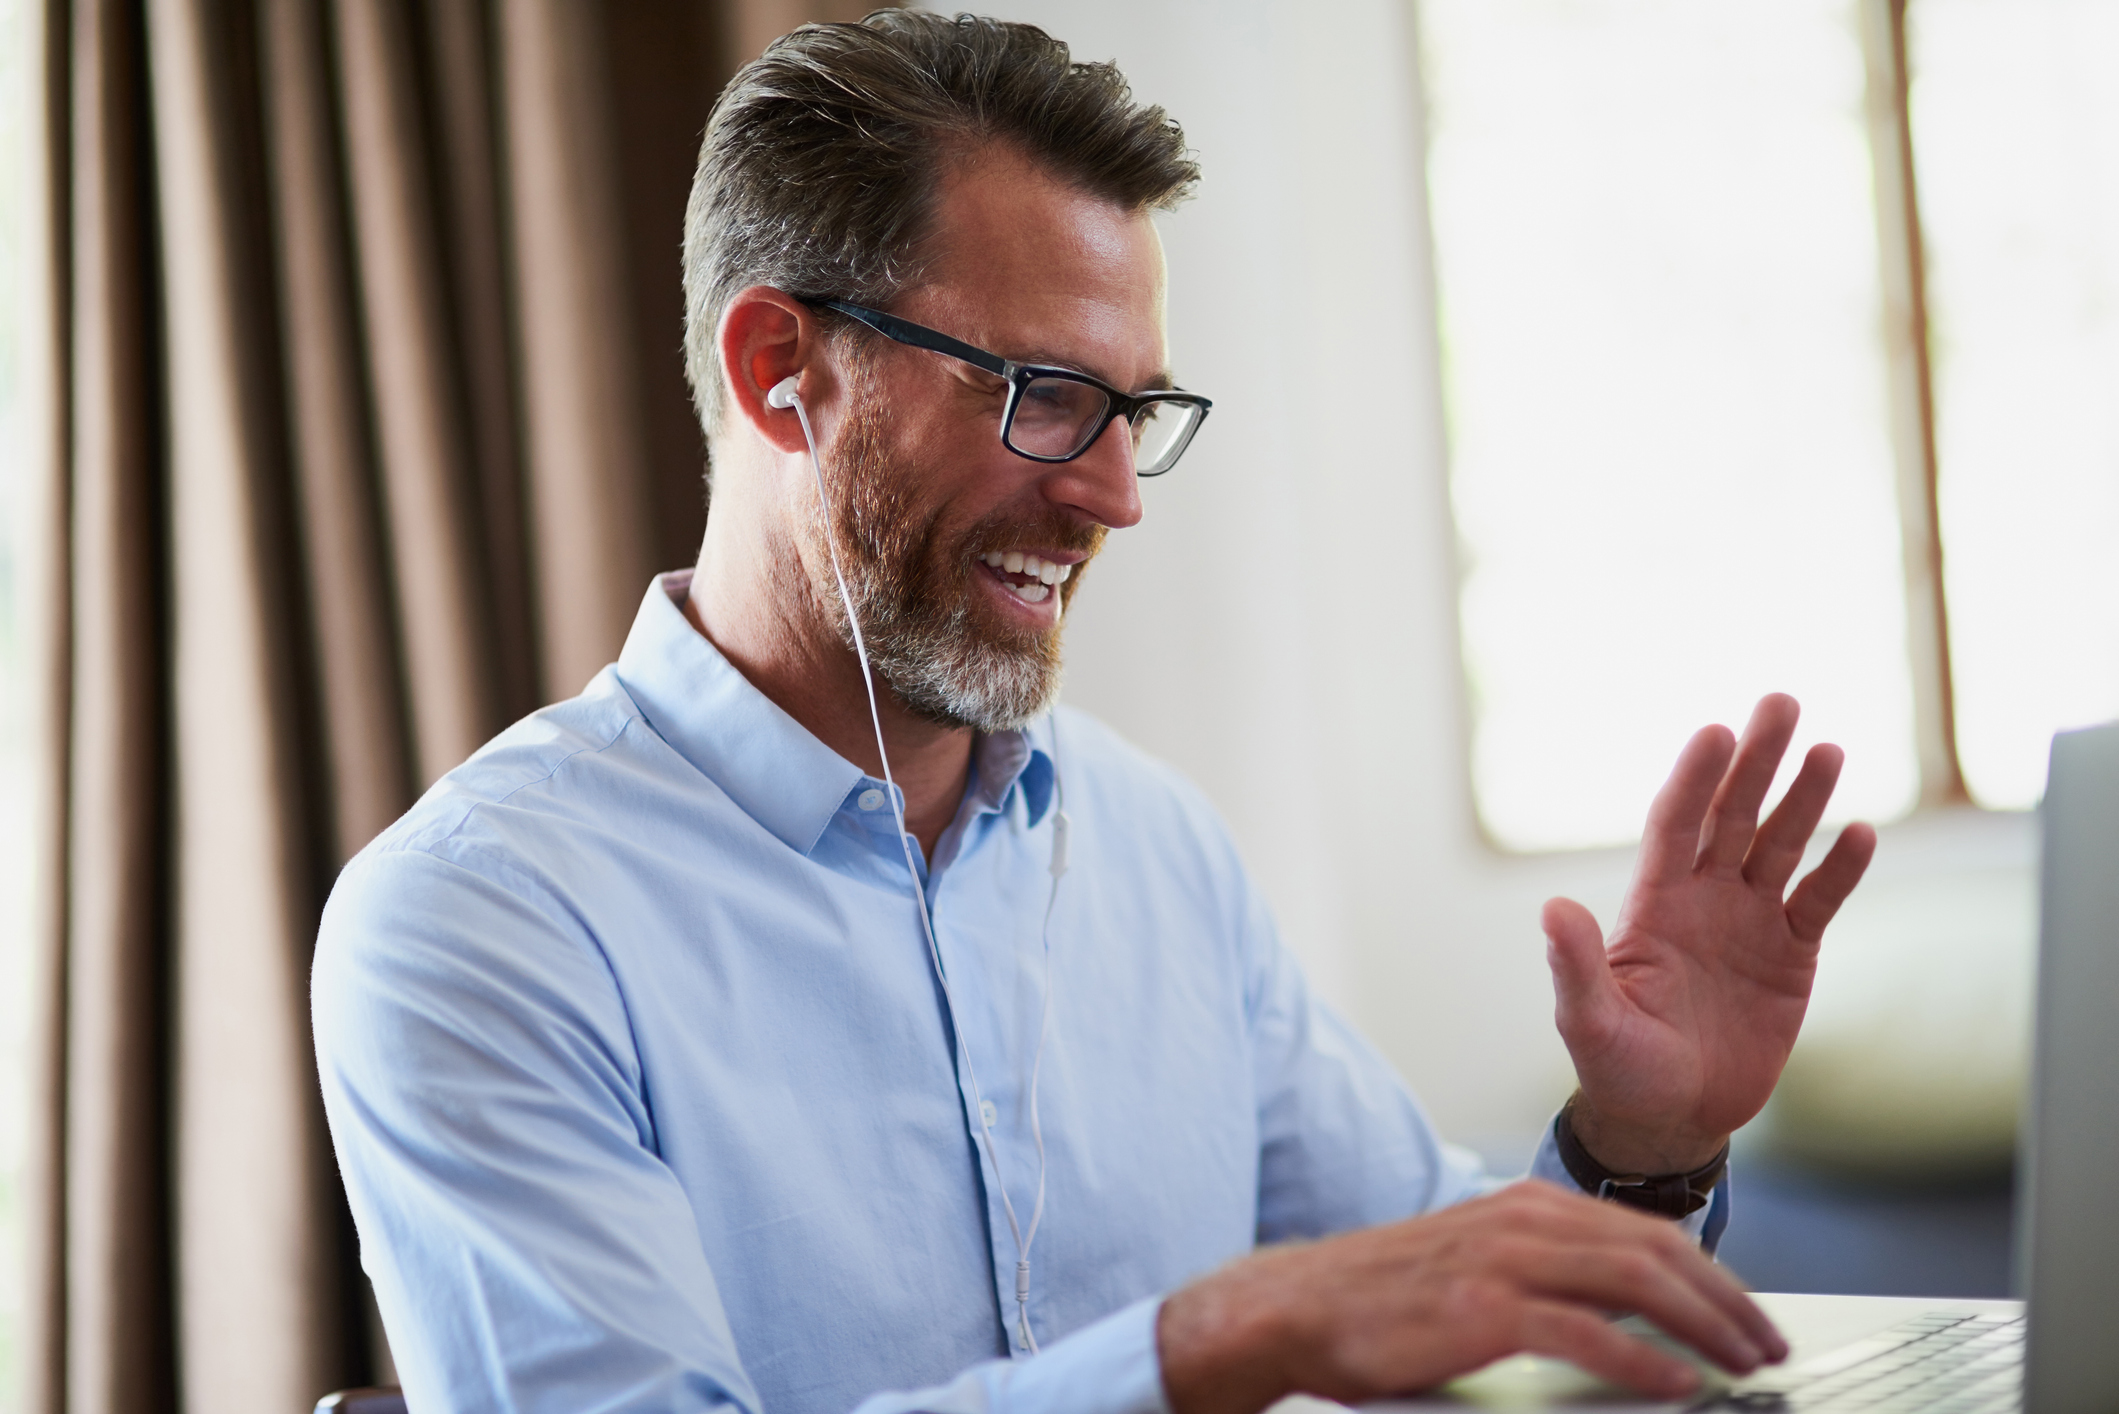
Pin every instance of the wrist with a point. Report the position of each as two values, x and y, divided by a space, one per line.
1640 1149
1222 1343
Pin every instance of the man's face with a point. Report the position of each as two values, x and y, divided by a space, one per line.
932 512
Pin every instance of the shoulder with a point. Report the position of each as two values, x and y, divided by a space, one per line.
1087 747
558 756
1105 776
469 883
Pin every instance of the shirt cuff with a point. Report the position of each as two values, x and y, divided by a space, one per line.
1108 1367
1547 1166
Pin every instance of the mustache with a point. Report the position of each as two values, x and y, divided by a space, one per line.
1047 531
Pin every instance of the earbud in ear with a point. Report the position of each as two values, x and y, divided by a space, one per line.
783 392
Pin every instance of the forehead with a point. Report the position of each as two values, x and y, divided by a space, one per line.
1034 268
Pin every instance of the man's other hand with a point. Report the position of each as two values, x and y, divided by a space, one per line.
1680 1026
1402 1308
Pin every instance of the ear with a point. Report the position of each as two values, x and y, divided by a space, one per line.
767 335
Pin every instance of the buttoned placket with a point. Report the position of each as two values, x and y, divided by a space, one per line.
980 942
985 822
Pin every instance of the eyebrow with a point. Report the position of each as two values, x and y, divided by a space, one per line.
1161 380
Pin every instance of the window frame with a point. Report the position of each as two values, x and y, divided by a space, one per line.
1911 401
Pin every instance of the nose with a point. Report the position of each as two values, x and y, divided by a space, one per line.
1100 483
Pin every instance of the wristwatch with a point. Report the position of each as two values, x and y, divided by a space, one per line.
1669 1195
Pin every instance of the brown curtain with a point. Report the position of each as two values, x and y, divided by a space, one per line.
367 426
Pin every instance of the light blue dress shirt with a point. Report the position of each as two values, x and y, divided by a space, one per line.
646 1099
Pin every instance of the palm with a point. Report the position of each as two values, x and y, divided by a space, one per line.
1679 1026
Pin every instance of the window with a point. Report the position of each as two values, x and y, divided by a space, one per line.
2015 125
1695 427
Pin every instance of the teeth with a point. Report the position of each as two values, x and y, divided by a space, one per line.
1046 572
1029 593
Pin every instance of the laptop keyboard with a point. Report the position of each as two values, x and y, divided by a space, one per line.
1944 1362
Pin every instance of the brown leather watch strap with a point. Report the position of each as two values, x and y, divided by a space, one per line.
1670 1195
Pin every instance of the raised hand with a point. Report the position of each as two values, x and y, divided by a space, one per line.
1680 1025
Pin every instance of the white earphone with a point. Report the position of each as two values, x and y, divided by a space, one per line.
783 395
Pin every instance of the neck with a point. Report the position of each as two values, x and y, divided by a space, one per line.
752 601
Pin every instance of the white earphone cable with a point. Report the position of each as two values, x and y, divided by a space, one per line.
1022 1237
1060 828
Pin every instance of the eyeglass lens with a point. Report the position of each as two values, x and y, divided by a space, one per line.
1057 417
1160 431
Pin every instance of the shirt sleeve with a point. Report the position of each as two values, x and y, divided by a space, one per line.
529 1249
1342 1142
1109 1367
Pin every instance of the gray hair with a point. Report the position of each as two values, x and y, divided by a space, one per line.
821 159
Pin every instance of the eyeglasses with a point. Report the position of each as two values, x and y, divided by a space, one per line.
1056 414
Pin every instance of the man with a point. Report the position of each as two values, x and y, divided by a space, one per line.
655 1088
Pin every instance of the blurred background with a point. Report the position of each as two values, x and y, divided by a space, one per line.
1583 369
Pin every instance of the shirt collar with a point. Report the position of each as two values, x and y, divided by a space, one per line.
764 760
1001 762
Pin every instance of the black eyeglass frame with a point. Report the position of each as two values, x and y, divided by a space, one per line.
1019 376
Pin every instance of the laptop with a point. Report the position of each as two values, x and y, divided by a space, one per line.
2057 1352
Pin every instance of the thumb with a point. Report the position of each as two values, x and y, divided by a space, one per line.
1585 994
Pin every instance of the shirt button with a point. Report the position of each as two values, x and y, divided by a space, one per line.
989 1114
871 800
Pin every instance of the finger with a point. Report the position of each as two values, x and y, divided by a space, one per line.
1818 897
1558 1217
1670 846
1718 1285
1636 1279
1574 1333
1682 1256
1733 816
1781 840
1587 1004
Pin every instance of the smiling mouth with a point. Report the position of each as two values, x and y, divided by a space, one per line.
1027 577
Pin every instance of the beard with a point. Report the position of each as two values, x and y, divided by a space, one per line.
945 654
